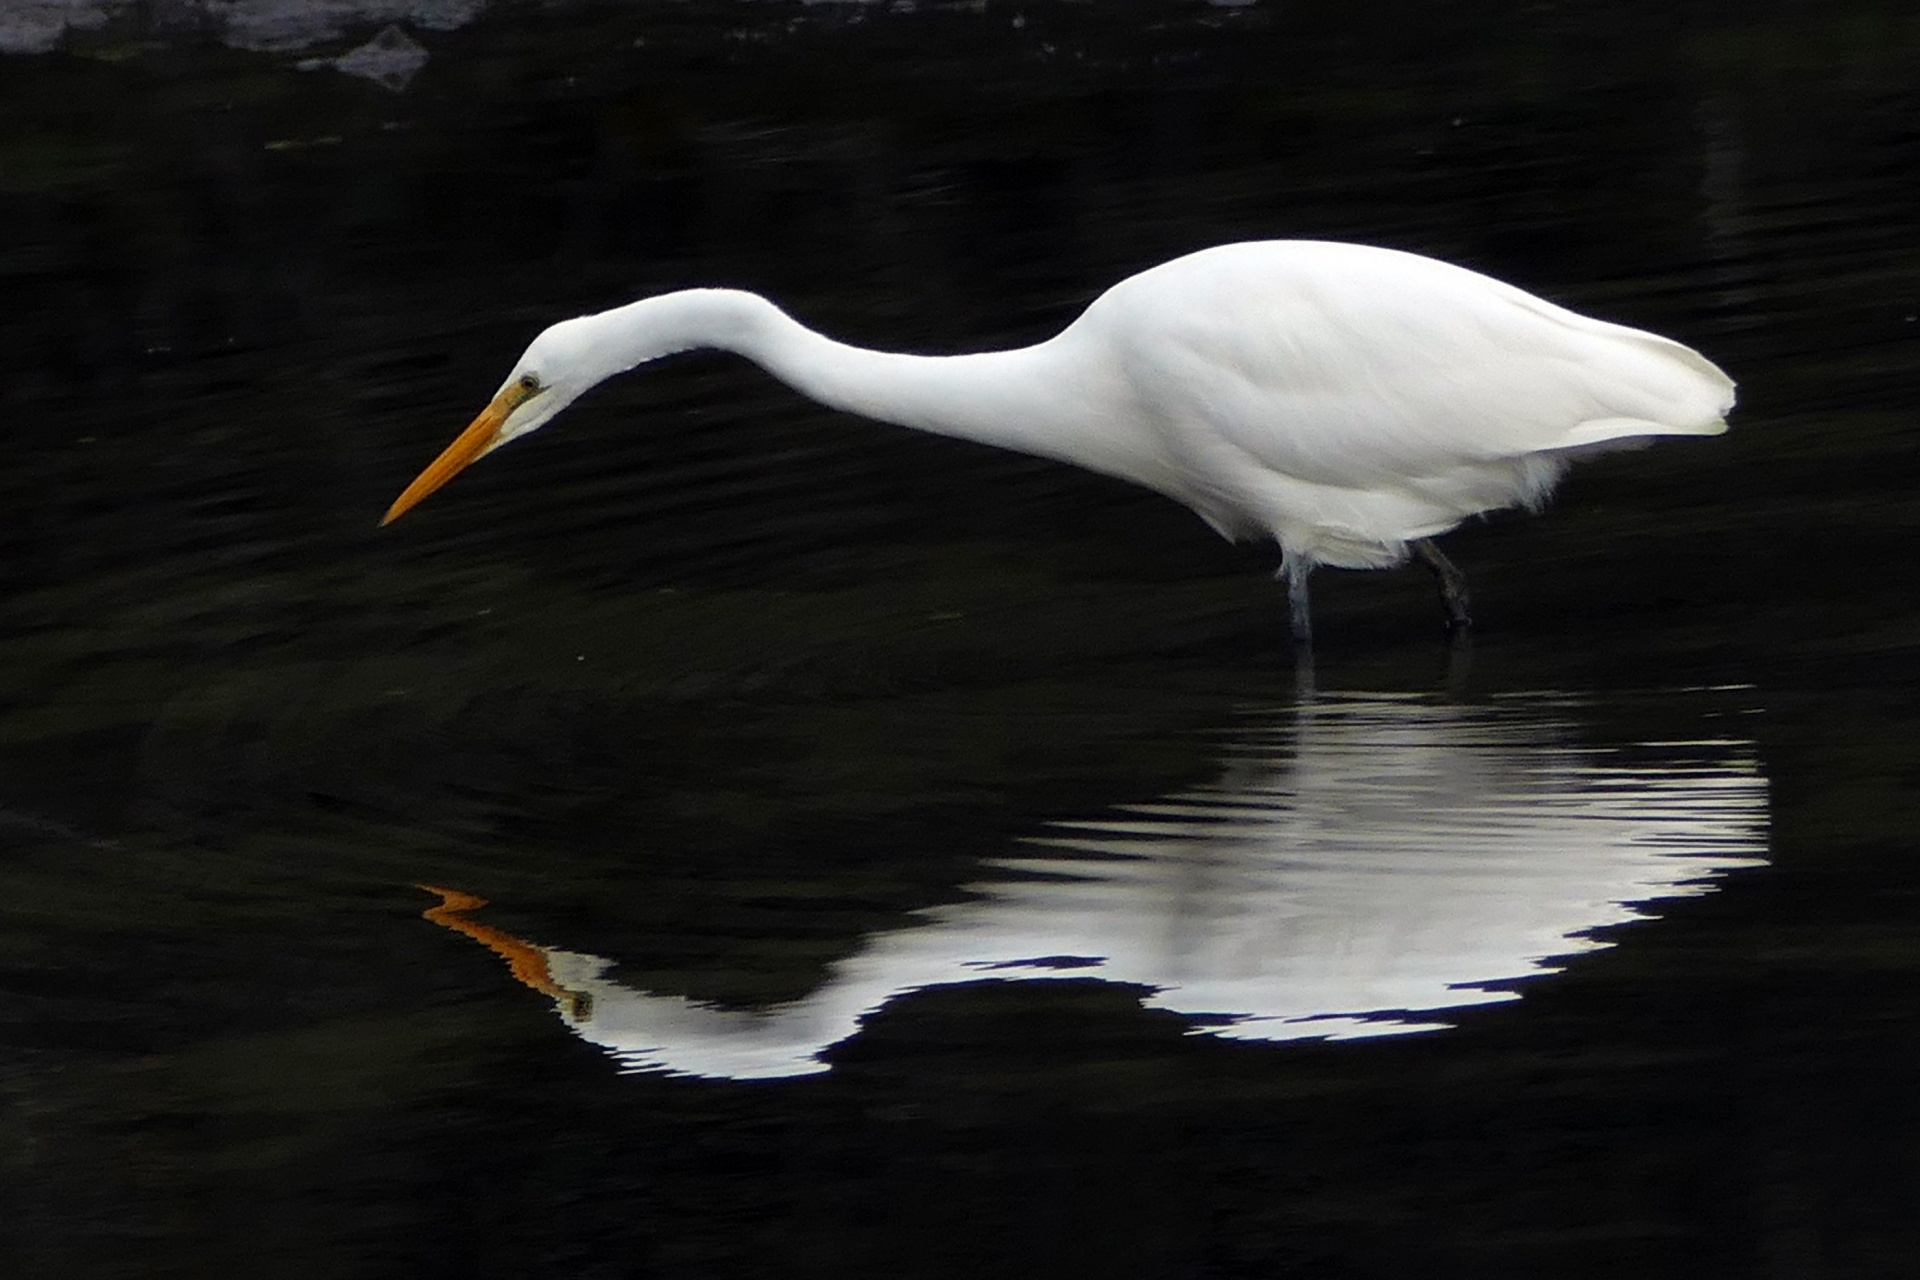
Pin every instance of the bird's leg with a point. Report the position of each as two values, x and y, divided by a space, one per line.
1459 663
1300 619
1453 583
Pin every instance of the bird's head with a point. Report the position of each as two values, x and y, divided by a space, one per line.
553 372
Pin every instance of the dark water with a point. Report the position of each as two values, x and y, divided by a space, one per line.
901 858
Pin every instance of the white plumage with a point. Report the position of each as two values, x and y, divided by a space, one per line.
1349 402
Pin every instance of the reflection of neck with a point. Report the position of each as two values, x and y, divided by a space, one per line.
527 962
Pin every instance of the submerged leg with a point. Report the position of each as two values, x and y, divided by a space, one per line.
1300 619
1459 663
1453 584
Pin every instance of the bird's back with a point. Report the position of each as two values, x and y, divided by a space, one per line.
1380 394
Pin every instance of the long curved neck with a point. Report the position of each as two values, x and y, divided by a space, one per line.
1021 399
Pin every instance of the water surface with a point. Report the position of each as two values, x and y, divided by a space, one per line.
969 803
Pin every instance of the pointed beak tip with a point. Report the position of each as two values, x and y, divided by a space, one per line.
401 505
476 440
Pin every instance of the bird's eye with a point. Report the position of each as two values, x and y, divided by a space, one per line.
529 383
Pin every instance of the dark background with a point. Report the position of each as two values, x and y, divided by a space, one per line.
717 682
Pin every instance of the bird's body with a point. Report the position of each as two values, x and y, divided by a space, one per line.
1348 402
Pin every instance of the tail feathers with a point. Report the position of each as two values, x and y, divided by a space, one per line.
1647 385
1601 430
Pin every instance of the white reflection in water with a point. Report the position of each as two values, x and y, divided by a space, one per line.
1361 862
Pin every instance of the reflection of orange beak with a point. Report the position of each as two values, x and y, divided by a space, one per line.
471 443
527 960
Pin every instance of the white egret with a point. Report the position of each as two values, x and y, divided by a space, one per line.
1349 402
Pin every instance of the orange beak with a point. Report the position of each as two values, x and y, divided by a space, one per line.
481 436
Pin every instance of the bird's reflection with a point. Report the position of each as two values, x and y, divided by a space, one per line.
1361 863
